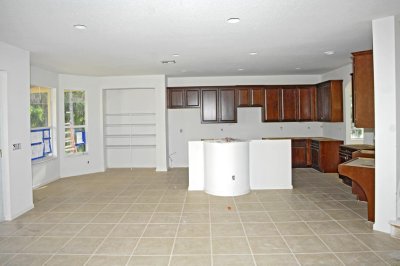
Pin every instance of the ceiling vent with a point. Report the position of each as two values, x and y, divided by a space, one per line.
168 62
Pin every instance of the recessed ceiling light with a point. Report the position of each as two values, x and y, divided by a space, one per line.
329 52
253 53
298 68
176 55
240 69
233 20
80 27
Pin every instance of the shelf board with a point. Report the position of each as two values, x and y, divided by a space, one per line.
131 146
129 135
130 114
130 124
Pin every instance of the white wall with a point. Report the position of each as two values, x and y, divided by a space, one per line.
397 58
47 170
387 104
185 124
16 122
244 80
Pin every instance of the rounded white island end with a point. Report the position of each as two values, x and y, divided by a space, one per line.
226 167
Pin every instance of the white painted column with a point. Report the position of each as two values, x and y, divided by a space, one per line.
387 105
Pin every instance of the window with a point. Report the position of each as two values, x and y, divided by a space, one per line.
356 133
75 121
41 122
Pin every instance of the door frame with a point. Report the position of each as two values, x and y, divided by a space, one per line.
4 171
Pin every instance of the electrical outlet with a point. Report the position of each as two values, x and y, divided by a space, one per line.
16 146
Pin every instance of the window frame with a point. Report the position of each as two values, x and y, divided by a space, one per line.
49 150
76 128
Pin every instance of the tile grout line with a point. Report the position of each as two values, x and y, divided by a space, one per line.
58 223
112 229
244 230
177 230
145 228
283 238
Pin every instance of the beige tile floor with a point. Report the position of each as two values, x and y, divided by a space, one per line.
139 217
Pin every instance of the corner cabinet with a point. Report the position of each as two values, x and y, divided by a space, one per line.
325 154
363 89
330 101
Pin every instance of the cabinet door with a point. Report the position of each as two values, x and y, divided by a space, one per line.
315 158
176 98
227 106
209 105
363 90
288 104
272 105
257 97
243 97
306 103
192 98
323 102
299 153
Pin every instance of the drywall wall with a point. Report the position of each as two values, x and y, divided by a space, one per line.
385 33
47 170
17 179
243 80
397 65
185 125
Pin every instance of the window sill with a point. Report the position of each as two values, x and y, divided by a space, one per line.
78 154
44 160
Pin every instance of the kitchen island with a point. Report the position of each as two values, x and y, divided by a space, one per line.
228 167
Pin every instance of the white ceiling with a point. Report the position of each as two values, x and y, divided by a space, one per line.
131 37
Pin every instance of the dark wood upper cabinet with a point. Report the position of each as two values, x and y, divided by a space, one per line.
192 98
209 105
306 103
363 89
227 105
176 98
183 97
272 104
218 105
257 96
289 104
330 101
250 96
243 97
280 103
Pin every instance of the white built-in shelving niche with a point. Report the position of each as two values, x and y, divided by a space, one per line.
129 128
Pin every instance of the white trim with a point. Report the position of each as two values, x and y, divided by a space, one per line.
12 217
45 183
